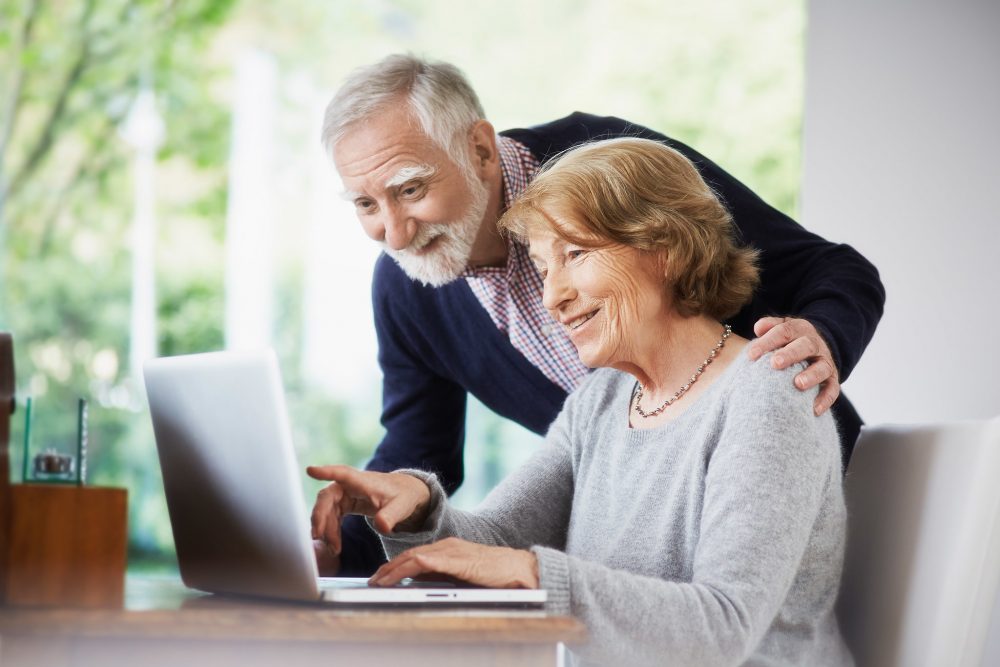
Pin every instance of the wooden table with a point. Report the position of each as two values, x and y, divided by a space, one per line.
163 623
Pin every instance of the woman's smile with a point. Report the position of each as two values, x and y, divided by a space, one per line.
575 323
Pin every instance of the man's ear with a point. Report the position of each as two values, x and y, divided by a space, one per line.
483 139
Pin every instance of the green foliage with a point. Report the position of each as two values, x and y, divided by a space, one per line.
70 73
190 316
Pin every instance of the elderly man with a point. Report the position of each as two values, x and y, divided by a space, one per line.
458 307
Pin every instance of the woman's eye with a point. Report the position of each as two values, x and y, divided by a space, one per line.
575 254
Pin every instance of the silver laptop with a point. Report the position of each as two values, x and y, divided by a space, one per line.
233 489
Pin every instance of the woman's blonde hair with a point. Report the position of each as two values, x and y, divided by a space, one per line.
643 194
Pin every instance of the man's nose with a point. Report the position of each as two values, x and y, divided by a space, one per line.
396 229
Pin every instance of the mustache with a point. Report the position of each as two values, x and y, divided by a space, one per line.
425 234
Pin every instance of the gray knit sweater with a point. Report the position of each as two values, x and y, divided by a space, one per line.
715 539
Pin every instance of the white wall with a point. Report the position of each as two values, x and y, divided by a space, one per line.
902 161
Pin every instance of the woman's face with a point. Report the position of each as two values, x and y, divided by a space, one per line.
602 297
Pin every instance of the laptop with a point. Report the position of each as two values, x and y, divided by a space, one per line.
234 495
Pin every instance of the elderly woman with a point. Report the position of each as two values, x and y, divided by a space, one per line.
686 505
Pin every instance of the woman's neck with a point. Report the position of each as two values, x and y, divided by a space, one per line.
666 362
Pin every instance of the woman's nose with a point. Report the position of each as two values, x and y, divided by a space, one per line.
557 290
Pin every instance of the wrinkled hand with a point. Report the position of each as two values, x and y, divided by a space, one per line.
393 500
797 340
495 567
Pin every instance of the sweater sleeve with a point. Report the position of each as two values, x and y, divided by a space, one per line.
531 506
765 487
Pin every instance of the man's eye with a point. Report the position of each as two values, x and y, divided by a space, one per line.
364 205
411 190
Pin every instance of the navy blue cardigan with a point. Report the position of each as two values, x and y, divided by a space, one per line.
437 344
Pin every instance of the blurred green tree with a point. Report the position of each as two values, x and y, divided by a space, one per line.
70 72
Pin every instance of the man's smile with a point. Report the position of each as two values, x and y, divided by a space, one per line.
427 247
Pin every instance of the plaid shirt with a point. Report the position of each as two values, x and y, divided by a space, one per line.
512 294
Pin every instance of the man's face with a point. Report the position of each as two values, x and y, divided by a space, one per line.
409 195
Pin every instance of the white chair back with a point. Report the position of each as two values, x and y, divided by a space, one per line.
923 549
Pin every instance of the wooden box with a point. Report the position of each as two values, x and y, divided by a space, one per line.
65 546
60 545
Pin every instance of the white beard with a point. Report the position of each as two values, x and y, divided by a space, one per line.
453 243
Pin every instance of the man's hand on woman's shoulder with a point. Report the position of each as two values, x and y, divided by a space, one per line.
795 340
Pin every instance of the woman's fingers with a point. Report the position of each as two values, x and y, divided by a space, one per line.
394 513
346 476
326 516
411 567
413 563
499 567
390 498
346 494
321 508
405 507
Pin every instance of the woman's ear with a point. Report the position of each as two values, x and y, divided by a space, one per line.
665 269
663 265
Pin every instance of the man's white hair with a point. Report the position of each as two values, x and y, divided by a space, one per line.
438 94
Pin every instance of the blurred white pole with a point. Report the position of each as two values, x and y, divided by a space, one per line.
250 211
143 131
339 347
